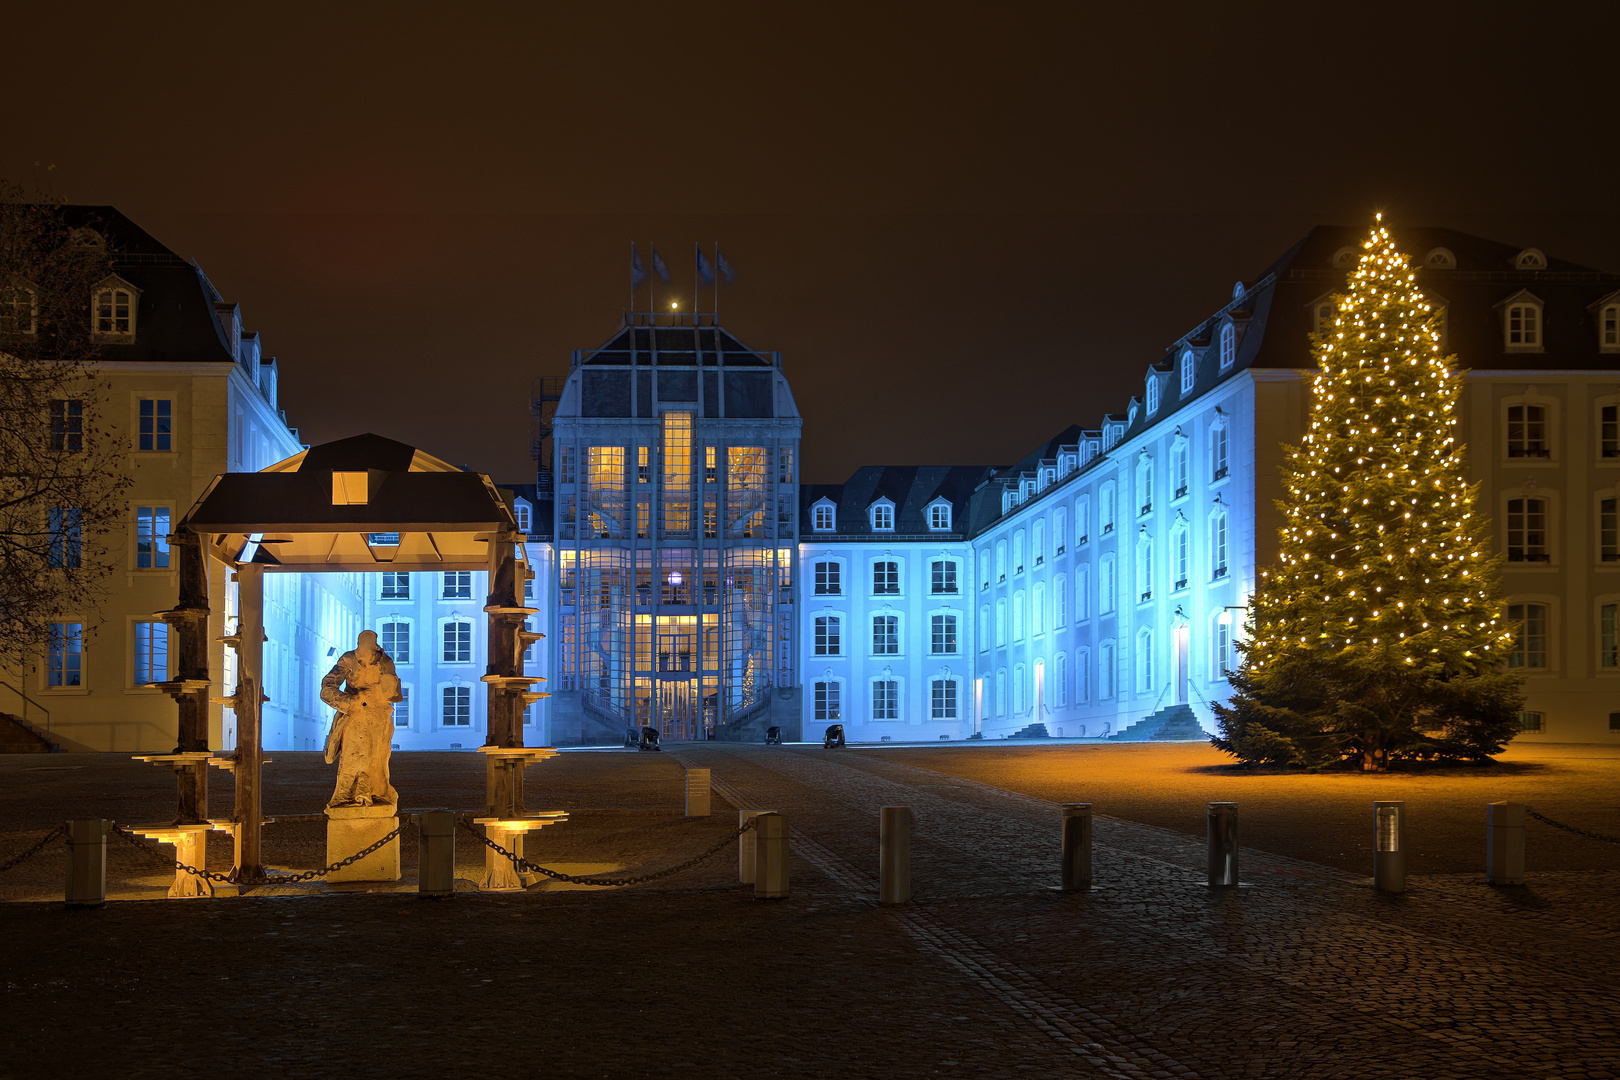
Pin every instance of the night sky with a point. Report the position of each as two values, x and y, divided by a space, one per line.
964 226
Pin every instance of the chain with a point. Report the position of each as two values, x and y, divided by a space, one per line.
261 878
1544 819
35 850
525 866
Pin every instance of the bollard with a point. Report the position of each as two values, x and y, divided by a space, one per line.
1389 854
1223 843
697 792
436 853
1077 847
87 862
747 846
894 855
1504 843
771 845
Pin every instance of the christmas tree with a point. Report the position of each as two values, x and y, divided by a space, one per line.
1379 633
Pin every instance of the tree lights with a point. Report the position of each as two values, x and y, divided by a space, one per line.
1379 631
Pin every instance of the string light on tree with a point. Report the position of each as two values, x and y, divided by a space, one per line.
1379 630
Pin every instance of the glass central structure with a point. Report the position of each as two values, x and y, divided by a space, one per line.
675 459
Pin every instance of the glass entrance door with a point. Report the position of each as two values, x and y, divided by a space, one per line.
679 710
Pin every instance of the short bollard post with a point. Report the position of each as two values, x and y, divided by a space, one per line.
1223 843
894 855
1389 854
771 844
748 846
1077 847
436 853
697 792
87 862
1504 843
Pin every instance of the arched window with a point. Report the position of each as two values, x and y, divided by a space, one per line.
1179 564
882 516
1001 691
1018 616
394 637
1179 480
1107 584
455 706
1018 690
1082 675
1059 520
942 699
402 707
885 635
1018 552
885 699
1527 530
457 641
1609 328
1144 662
1217 452
1228 346
1106 507
1530 646
1152 393
829 699
19 310
829 635
1037 610
885 578
822 518
1527 435
942 635
1221 646
1001 560
1144 483
1082 589
1037 541
984 628
1082 520
1105 670
1060 676
115 312
1522 326
1001 623
1144 566
1060 602
1189 372
1217 544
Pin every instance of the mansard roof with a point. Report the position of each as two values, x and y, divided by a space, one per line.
912 488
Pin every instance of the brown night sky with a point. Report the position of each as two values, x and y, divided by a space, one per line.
964 225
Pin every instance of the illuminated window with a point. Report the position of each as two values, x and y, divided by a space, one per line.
1189 372
942 694
885 635
1107 584
1530 646
710 454
885 699
1228 346
67 425
1060 675
1001 623
643 464
457 585
64 654
151 537
827 696
396 585
1217 544
829 639
151 657
456 710
822 517
66 538
394 637
883 516
1106 508
156 425
350 488
939 517
457 642
1527 531
943 636
829 578
1527 432
1060 602
1144 662
1178 469
886 578
1217 452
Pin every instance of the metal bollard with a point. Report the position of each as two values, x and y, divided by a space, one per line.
1389 854
771 844
894 855
748 846
697 792
1504 843
1077 847
1223 843
87 862
436 853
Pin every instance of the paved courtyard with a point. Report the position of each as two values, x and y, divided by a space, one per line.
990 972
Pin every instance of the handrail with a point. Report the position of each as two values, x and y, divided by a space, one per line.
27 701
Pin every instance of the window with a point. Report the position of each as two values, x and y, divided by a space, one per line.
829 630
1222 649
1527 531
1018 552
1179 556
1018 690
1530 647
64 656
396 585
19 310
1608 533
939 517
565 464
821 518
156 424
457 642
151 537
943 636
1037 541
942 577
710 456
1152 394
643 464
457 709
1608 328
1059 520
1228 346
1060 602
1144 662
1144 565
784 465
984 568
883 516
1018 616
1060 672
1001 560
1609 430
827 704
1189 372
1001 623
1217 452
1001 691
402 708
984 628
1217 545
1609 636
1524 326
67 425
394 637
1082 675
1037 610
1105 511
151 653
1178 469
1082 520
1531 721
886 578
885 699
885 635
115 312
829 578
1527 432
457 585
66 550
1107 585
520 510
1144 483
942 695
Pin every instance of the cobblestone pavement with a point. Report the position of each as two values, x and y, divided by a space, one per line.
989 973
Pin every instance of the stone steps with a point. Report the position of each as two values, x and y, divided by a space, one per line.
1170 722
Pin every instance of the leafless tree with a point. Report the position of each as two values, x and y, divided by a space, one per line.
63 476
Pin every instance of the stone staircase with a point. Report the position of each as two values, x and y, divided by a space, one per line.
1170 722
17 737
1033 731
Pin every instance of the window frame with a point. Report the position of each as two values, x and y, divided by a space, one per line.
892 692
1546 552
1188 368
894 585
936 685
827 577
827 634
895 634
827 700
146 627
953 630
159 418
1228 346
1547 637
393 619
445 690
444 640
953 571
823 516
160 548
880 515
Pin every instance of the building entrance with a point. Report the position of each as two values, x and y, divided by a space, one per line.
680 712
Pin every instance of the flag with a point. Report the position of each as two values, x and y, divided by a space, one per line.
659 268
727 271
704 270
637 274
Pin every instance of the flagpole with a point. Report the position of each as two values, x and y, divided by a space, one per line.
716 283
652 290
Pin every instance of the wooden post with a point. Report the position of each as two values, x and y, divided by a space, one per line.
191 684
249 697
503 694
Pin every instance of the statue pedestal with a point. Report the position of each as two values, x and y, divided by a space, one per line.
190 848
354 828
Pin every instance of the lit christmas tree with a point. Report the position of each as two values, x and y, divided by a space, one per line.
1379 633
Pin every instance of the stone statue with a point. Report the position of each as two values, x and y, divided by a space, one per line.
363 729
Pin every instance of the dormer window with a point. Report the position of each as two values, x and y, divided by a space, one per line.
1440 259
1345 258
1189 371
1530 259
1608 322
1521 323
113 310
1228 346
1323 312
823 516
19 310
882 513
939 515
522 511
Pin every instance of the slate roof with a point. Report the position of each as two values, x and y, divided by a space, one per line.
910 487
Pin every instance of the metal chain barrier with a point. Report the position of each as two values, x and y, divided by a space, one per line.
1545 820
261 878
525 866
60 830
